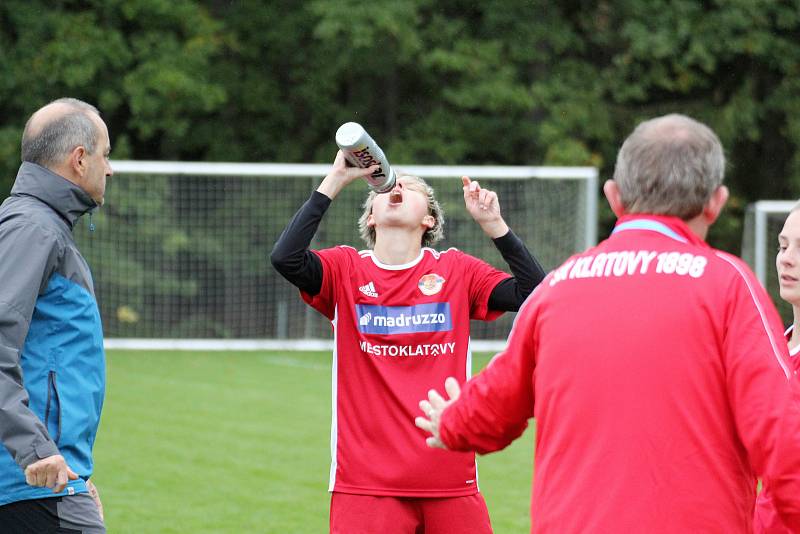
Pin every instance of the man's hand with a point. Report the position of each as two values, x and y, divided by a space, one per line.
484 207
340 175
433 408
96 496
51 472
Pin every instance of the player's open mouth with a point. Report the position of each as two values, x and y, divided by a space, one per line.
395 197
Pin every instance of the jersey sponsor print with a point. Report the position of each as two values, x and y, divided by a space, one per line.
391 320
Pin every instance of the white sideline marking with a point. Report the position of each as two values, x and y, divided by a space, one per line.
287 361
207 345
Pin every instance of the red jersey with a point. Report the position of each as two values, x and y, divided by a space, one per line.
399 331
656 371
766 520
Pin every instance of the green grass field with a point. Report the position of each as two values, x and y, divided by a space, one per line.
239 442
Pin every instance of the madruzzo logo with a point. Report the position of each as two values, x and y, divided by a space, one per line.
431 317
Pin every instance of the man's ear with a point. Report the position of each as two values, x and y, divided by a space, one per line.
370 220
611 191
714 206
77 160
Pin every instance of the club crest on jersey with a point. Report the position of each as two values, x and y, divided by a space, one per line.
430 284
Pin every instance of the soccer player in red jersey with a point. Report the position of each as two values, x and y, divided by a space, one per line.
787 262
654 365
400 312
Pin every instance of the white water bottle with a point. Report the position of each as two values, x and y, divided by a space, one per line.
362 151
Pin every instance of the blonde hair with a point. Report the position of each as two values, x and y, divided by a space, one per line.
431 236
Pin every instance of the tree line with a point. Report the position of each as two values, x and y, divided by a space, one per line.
504 82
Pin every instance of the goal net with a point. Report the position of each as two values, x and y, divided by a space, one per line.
180 251
762 224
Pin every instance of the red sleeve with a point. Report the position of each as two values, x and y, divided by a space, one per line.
334 261
763 393
495 405
482 280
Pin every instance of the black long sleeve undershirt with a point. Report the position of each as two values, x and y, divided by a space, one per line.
292 259
510 293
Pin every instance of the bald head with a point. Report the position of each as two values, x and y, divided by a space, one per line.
669 165
55 130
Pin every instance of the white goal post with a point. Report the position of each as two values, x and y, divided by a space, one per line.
587 175
762 224
180 253
760 230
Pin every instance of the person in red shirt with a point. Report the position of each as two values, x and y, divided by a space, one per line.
400 312
653 364
787 262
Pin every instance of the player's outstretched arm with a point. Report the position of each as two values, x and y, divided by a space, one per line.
340 175
433 408
489 413
491 409
484 207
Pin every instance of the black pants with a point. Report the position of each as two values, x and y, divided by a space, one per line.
74 514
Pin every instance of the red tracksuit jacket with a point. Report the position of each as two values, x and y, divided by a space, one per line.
657 372
766 520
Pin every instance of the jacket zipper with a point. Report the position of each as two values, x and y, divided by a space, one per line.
52 392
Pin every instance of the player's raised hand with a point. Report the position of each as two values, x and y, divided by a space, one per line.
433 408
484 207
51 472
342 174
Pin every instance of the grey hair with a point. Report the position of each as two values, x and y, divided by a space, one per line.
429 238
57 138
669 165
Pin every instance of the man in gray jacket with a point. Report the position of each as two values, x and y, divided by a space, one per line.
52 364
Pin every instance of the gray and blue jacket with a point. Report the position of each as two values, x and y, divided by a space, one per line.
52 364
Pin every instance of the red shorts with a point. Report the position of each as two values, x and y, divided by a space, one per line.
368 514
